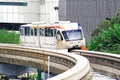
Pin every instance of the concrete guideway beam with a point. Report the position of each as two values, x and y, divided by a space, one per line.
69 66
105 63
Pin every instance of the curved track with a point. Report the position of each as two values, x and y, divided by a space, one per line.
69 66
106 63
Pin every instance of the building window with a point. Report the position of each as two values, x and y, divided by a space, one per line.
14 3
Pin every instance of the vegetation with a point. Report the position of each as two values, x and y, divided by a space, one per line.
106 37
33 77
105 24
9 37
107 40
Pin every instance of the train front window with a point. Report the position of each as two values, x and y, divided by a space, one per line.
71 35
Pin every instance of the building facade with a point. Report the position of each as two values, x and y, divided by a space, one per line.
89 13
26 11
48 10
19 11
16 12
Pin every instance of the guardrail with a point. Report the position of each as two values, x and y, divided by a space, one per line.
106 63
69 66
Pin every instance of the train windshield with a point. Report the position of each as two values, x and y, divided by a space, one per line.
71 35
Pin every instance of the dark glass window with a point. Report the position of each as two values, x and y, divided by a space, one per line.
42 32
22 31
27 31
70 35
55 32
14 3
51 32
35 31
32 31
48 32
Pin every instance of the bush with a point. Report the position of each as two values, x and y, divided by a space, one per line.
33 77
105 24
101 26
9 37
106 37
107 40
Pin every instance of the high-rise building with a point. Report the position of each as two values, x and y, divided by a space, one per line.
26 11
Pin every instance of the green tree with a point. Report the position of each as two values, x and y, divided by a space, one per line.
107 40
106 37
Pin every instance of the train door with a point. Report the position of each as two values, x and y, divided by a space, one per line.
50 35
22 35
29 35
42 37
33 34
47 38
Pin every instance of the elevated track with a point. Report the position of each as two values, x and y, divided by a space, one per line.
68 66
106 63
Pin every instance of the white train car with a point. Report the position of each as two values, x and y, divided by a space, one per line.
58 35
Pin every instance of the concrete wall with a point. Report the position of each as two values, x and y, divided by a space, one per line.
87 12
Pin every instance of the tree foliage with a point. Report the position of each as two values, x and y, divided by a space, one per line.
107 40
109 22
9 37
33 77
106 37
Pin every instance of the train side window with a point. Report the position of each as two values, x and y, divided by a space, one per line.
42 32
22 31
27 31
32 31
55 30
35 31
47 32
51 32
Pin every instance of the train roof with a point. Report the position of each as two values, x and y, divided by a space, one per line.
67 25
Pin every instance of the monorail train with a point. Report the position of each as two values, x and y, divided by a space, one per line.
58 35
